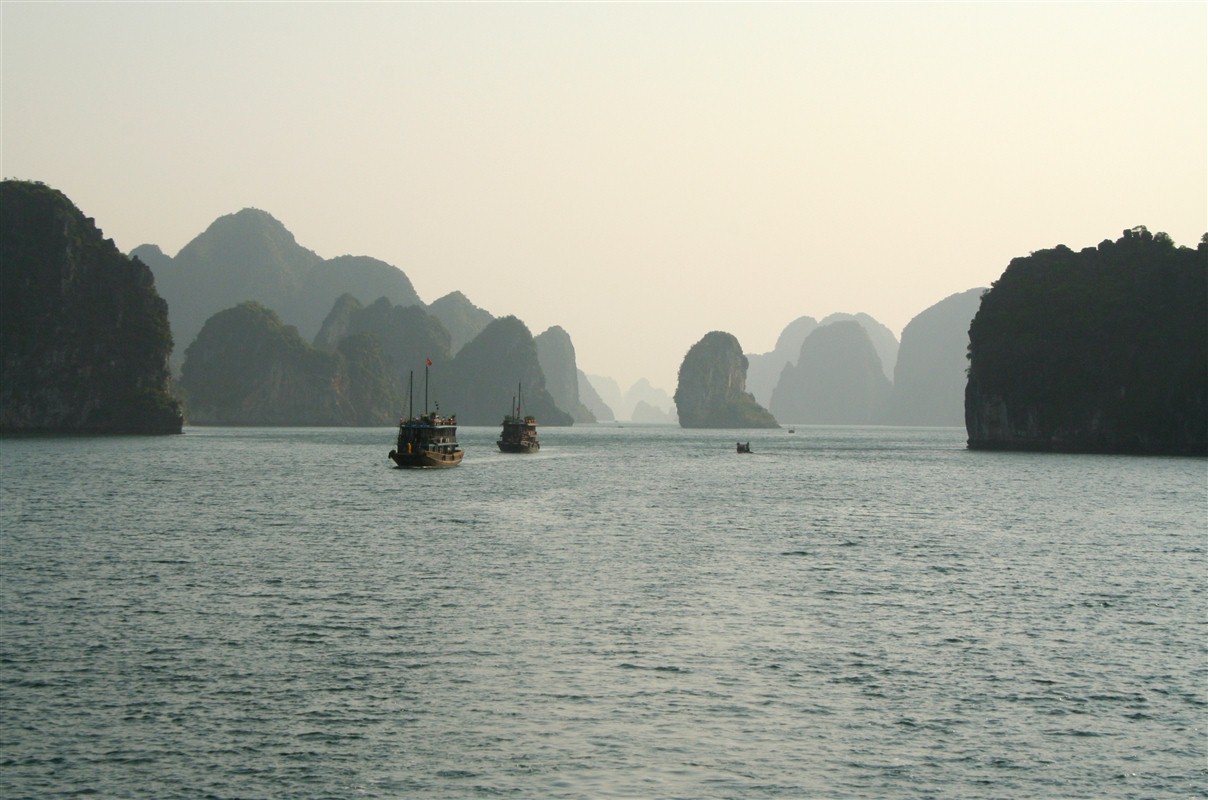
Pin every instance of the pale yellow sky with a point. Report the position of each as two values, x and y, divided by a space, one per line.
638 173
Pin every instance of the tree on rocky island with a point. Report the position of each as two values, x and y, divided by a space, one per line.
1103 350
711 391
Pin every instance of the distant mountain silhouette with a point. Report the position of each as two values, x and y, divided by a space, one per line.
763 370
1101 350
610 392
643 391
365 278
929 380
646 414
883 341
84 337
461 318
246 367
249 255
482 379
591 398
556 354
837 379
712 387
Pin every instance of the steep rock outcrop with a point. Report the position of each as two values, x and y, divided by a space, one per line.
591 398
556 354
248 368
484 376
929 379
83 333
837 379
712 393
1103 350
461 318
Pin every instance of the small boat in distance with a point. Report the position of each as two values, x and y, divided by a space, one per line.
744 448
519 433
429 440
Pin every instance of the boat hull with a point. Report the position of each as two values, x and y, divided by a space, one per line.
426 459
518 447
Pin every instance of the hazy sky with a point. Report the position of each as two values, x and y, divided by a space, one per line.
638 173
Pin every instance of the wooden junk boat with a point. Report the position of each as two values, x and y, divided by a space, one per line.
429 440
519 433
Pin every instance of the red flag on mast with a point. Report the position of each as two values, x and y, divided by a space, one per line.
429 361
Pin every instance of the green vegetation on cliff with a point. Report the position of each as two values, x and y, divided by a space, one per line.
248 368
407 334
84 334
711 392
1103 350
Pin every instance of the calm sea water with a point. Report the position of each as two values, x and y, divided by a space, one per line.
633 612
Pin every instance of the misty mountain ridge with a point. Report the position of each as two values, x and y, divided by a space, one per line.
838 379
765 368
250 255
624 406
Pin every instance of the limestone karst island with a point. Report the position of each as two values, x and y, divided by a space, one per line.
1103 349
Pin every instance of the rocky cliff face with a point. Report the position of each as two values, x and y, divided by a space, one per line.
929 380
1103 350
247 368
84 334
712 387
482 381
556 353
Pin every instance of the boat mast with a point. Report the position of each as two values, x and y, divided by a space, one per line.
410 394
425 388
